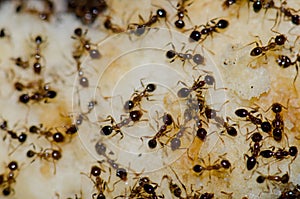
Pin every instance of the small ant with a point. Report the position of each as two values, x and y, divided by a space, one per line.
43 93
48 154
217 165
208 29
197 58
37 66
139 28
84 45
280 153
163 130
243 113
285 62
143 188
137 97
176 142
134 116
227 3
10 178
48 9
289 13
181 12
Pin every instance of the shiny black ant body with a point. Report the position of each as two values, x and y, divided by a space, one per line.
181 13
285 62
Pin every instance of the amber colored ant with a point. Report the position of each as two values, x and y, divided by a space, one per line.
20 62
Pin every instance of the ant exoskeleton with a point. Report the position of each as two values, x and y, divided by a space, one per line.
181 12
285 62
137 97
284 179
163 130
134 116
109 25
48 154
216 166
175 141
208 29
37 96
197 58
139 28
84 45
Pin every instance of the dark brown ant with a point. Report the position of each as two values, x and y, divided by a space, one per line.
111 26
274 42
280 153
175 141
21 137
10 178
181 12
290 192
84 45
288 13
48 154
216 166
163 130
208 29
139 28
284 179
197 58
98 182
134 116
144 188
137 97
243 113
197 86
37 65
57 137
285 62
230 129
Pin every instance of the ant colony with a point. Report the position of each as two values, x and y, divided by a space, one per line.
161 99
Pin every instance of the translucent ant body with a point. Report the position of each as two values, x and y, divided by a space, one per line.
45 14
37 65
243 113
230 129
144 188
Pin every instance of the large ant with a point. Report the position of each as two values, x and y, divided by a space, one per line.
285 62
243 113
163 130
137 97
280 153
197 58
208 29
134 116
139 28
84 45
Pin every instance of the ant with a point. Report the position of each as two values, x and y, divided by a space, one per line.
20 62
291 192
84 45
21 138
57 137
284 179
285 62
37 66
173 187
48 9
289 13
243 113
227 127
181 12
167 121
139 28
208 29
137 97
134 116
143 188
48 154
280 153
99 183
176 142
217 165
113 27
13 166
197 58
